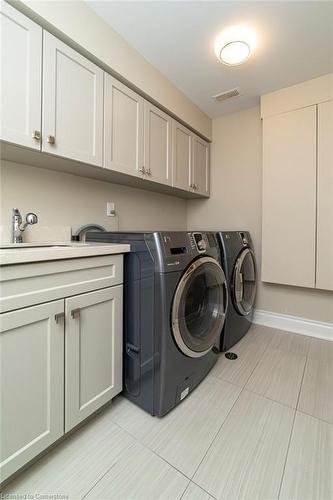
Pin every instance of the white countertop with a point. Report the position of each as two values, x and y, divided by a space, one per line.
38 252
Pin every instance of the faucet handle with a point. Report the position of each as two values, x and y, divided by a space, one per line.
31 218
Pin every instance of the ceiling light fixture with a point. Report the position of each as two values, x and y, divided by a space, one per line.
234 45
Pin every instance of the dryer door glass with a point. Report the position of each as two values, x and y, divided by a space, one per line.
199 307
244 282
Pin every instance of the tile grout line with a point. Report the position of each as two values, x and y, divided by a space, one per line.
255 366
315 417
106 472
292 430
213 440
182 495
150 449
203 489
223 423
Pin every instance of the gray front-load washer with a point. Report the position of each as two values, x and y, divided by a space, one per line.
175 299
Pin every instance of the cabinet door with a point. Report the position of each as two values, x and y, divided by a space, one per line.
289 198
325 197
182 156
72 103
93 346
123 128
21 75
157 151
200 166
32 383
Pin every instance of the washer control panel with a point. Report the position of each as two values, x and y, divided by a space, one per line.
200 242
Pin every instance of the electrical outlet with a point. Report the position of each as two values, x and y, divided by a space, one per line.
110 209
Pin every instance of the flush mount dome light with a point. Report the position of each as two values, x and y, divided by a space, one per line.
234 45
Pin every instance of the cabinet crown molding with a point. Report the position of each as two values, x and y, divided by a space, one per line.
297 96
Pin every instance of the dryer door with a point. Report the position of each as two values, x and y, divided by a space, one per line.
199 307
244 282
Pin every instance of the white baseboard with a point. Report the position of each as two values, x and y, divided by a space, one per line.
294 324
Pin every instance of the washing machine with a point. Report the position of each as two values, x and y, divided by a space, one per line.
175 300
238 263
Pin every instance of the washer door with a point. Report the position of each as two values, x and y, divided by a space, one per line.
244 282
199 307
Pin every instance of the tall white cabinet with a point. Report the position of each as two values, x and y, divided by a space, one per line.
289 198
32 382
297 224
21 78
325 197
72 103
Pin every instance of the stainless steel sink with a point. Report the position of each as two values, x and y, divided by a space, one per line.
16 246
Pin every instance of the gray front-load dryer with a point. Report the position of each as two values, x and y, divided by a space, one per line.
174 307
238 263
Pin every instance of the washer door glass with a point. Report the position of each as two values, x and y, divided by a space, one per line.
199 306
244 282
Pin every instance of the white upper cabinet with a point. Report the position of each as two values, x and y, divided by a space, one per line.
157 144
123 128
289 198
200 166
21 74
72 103
325 197
182 156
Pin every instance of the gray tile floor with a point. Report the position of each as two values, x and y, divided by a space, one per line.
260 427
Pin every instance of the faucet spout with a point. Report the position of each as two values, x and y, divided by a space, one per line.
17 228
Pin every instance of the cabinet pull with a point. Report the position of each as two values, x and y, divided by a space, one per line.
51 139
142 170
75 313
59 317
149 171
36 135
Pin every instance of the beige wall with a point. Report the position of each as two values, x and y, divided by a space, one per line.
235 203
81 24
68 200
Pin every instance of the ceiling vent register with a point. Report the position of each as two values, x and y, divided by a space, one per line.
228 94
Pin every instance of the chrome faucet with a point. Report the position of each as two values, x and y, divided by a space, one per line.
17 228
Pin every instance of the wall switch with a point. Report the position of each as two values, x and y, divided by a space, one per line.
110 209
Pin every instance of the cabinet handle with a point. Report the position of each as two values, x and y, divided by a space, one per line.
59 317
51 139
142 170
36 135
75 313
149 171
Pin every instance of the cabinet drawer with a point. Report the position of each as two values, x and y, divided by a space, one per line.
23 285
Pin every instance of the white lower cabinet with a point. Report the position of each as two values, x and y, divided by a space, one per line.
32 383
93 346
59 361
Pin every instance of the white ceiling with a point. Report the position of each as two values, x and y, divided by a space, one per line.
294 43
